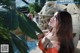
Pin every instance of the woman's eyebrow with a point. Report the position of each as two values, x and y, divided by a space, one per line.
54 16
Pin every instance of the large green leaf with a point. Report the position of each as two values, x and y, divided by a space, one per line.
25 26
4 33
33 25
19 43
1 19
11 20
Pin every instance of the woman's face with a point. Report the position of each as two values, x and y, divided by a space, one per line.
53 21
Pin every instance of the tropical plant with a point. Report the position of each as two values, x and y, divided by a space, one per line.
10 20
35 7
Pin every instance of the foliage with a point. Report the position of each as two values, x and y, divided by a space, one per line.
10 20
5 2
31 7
37 7
34 8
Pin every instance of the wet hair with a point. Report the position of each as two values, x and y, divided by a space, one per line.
65 32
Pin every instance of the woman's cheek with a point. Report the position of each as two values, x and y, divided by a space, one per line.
50 24
54 24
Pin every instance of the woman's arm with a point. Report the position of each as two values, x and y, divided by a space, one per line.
40 36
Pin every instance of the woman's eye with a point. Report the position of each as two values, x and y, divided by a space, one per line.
54 18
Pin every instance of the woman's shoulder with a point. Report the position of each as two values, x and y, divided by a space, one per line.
52 41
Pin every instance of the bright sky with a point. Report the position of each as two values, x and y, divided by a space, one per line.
20 3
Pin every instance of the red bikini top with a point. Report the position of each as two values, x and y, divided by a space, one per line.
48 50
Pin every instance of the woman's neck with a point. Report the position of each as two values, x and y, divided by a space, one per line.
54 31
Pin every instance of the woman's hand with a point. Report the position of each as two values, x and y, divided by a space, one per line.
45 32
40 36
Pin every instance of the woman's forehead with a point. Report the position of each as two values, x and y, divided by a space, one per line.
55 13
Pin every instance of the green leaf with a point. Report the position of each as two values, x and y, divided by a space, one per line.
19 43
33 25
4 33
37 7
2 15
34 8
11 20
31 7
26 27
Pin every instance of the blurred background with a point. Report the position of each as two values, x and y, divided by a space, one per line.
22 20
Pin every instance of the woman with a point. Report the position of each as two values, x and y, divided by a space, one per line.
59 39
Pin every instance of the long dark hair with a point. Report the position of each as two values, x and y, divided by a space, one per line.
65 32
